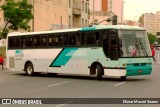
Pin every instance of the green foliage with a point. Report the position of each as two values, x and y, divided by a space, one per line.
152 38
3 52
16 15
3 34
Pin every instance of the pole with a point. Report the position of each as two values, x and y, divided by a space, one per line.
122 13
61 27
33 16
93 12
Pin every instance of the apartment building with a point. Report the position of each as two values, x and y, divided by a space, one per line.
102 9
151 22
1 15
59 14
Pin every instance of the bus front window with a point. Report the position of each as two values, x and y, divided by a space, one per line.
134 43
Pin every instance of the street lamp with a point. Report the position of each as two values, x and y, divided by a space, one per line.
122 12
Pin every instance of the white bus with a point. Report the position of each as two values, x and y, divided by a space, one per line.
115 50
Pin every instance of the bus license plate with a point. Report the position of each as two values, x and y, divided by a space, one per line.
140 71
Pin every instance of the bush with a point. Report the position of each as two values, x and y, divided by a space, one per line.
3 52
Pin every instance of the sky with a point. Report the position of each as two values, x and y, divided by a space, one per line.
133 9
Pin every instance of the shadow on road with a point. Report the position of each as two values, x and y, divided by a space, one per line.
82 77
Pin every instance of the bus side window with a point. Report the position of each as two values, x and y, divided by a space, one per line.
14 42
83 39
113 45
97 37
43 41
10 42
65 39
37 41
23 43
93 38
78 41
29 42
105 42
50 40
58 40
17 42
55 39
72 39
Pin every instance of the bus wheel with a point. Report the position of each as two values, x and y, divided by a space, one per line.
29 69
123 78
99 72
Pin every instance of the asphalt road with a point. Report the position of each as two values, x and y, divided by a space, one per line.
18 85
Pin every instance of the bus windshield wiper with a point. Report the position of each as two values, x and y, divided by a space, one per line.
143 49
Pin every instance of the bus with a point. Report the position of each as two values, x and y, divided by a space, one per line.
101 50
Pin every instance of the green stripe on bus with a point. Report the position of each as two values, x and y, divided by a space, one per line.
63 57
138 70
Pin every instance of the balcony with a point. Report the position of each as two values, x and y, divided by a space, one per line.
76 11
77 8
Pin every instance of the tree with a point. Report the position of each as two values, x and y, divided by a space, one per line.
152 38
16 16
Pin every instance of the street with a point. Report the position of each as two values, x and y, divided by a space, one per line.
17 85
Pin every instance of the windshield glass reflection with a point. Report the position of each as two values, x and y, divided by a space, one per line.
134 43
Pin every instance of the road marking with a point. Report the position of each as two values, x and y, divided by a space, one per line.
119 83
64 104
58 84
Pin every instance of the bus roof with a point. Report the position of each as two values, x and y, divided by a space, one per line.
96 27
126 27
42 32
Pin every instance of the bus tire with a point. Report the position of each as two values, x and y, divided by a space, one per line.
29 69
99 72
123 78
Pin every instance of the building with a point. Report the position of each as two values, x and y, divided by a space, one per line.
56 14
132 23
102 9
2 24
1 16
151 22
59 14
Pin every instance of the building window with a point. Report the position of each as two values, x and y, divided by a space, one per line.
86 8
86 23
69 21
70 2
82 22
82 5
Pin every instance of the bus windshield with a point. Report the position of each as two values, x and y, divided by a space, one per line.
133 43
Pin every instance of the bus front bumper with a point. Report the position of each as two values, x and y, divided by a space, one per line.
138 70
